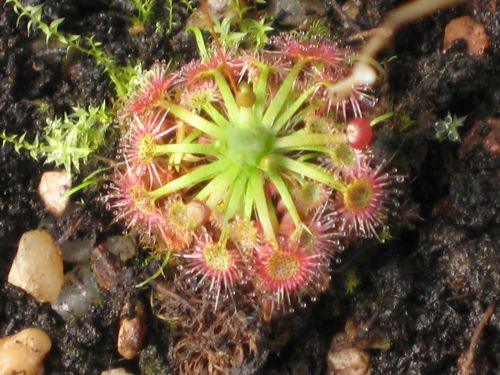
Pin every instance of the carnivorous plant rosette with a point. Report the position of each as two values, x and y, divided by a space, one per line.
247 168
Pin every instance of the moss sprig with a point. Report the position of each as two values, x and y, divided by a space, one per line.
67 141
118 75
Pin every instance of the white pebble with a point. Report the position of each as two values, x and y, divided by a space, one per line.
23 352
38 266
77 294
116 371
349 361
53 189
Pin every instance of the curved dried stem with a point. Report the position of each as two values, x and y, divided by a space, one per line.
363 73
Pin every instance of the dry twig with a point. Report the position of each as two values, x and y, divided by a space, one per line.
466 359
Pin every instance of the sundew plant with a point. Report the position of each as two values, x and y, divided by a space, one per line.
250 170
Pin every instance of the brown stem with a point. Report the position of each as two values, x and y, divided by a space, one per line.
363 73
466 360
109 161
163 289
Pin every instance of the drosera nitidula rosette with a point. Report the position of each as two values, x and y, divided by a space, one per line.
272 172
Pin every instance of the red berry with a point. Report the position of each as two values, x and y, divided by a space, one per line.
359 133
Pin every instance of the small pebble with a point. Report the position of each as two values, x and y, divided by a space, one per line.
23 352
106 267
295 13
349 361
53 189
116 371
38 266
79 291
131 333
471 31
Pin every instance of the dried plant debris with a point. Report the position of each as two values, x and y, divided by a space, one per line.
222 341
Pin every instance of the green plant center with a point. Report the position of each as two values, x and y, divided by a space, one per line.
358 195
283 266
248 145
217 257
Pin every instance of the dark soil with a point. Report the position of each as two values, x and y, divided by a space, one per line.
424 292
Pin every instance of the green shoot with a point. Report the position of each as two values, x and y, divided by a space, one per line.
68 141
144 10
92 180
447 128
119 76
381 118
